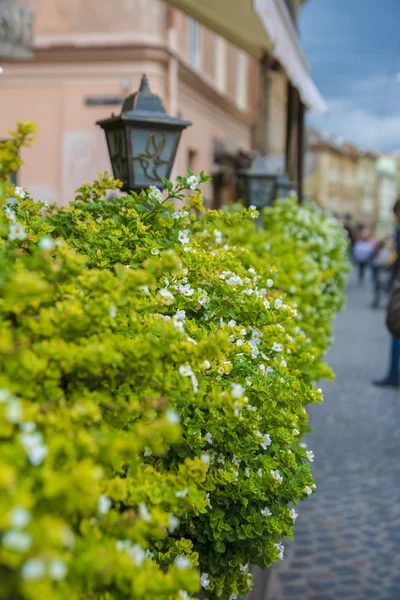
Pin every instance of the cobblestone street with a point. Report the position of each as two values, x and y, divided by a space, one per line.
348 534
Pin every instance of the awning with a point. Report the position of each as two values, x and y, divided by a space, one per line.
259 26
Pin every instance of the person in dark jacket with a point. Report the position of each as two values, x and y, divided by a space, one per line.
393 317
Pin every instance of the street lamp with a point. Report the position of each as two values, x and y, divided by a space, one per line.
257 184
143 140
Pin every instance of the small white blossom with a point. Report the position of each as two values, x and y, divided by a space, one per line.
237 390
20 192
209 438
13 411
137 554
234 280
256 336
17 232
33 569
155 193
155 251
173 523
269 371
307 490
296 432
208 501
244 568
293 514
183 493
186 290
20 517
183 595
259 473
172 417
251 271
233 597
247 472
278 303
10 214
277 476
221 460
267 305
262 368
149 554
205 459
270 283
205 580
303 445
239 343
283 363
46 244
203 298
232 323
266 441
167 297
144 512
277 347
310 455
280 547
19 541
185 370
182 562
104 504
180 315
193 181
145 289
266 512
206 365
58 570
112 311
147 451
183 236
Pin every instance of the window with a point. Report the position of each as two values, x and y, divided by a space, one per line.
220 64
194 48
242 81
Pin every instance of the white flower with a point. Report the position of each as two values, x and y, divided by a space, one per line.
33 569
233 597
259 473
46 243
185 370
266 512
173 523
303 445
172 417
203 298
58 570
193 181
217 236
127 267
239 343
155 251
28 426
104 504
20 517
221 460
296 432
149 553
247 472
280 547
307 490
256 336
221 370
183 493
145 289
17 232
112 311
183 236
276 347
266 441
244 569
269 371
19 541
14 411
234 280
293 514
186 290
270 283
137 554
310 455
278 303
37 455
155 193
182 562
283 363
208 501
180 315
20 192
10 214
144 512
237 390
167 297
205 580
209 438
147 452
267 305
251 271
195 383
206 365
183 595
205 459
5 395
262 368
277 476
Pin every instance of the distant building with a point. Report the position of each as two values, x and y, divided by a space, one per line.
387 169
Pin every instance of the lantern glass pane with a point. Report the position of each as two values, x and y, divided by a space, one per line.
153 155
261 190
116 141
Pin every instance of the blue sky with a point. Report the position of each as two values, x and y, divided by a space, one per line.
353 49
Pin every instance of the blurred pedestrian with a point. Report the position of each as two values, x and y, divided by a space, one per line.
363 252
393 377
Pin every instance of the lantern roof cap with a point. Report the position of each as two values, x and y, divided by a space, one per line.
145 107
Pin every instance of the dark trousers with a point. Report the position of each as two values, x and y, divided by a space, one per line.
394 368
362 266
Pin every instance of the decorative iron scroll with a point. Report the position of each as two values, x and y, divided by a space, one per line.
151 160
16 29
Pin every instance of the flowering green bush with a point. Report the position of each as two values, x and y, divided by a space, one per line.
162 373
